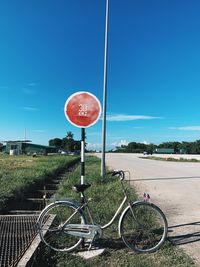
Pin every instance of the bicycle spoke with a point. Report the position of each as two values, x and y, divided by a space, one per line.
145 230
53 225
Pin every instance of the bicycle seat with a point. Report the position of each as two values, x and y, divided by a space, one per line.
80 188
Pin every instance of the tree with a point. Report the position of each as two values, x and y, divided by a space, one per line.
77 145
57 142
173 145
70 135
68 144
150 148
198 146
179 147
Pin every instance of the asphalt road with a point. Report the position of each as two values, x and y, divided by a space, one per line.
175 188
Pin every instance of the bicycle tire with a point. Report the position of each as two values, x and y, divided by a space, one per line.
51 224
143 227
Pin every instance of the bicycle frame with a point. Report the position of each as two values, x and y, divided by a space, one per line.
116 214
90 230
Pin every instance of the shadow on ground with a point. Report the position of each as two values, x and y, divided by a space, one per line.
183 233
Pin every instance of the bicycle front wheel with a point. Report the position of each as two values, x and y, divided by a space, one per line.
143 227
52 226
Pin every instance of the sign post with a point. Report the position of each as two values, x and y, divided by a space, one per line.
82 155
83 110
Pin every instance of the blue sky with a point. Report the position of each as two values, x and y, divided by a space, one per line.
52 49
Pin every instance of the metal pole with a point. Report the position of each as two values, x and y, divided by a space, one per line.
82 169
82 155
103 165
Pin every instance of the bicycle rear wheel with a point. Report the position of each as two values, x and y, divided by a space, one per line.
51 226
143 227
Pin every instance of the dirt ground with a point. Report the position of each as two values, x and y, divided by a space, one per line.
174 187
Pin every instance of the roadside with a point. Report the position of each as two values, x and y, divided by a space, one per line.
175 187
175 156
106 196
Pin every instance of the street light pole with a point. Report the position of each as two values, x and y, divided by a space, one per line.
103 166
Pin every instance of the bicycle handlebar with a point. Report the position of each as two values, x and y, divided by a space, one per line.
120 173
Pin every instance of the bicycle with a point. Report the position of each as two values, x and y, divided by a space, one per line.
63 225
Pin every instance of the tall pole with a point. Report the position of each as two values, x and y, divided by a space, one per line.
82 155
103 165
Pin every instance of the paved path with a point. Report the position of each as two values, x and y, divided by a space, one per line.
175 187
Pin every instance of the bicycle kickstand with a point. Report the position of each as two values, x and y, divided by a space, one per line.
91 242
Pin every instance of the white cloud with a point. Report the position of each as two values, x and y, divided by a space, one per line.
95 146
186 128
122 117
120 143
113 145
98 146
30 109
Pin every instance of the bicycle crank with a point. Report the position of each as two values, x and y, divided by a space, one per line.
89 231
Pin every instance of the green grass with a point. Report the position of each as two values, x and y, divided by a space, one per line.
17 173
106 197
172 159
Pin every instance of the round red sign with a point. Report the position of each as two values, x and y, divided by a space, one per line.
82 109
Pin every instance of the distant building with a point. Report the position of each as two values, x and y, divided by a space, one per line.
22 147
164 151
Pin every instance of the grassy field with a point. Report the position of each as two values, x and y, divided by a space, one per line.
17 173
106 197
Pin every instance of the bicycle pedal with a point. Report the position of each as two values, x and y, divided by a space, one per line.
93 248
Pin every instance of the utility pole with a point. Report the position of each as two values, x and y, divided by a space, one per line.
103 165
